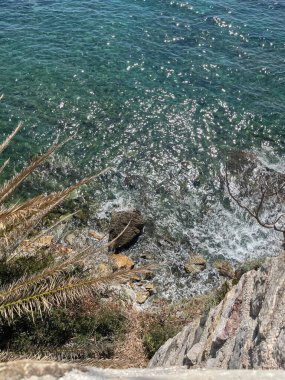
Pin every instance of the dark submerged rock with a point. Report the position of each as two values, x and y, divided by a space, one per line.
119 221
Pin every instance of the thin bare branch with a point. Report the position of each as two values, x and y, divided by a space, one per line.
257 213
238 202
279 218
260 204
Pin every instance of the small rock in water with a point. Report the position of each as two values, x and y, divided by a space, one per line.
136 278
149 275
149 287
141 297
96 235
147 255
195 264
32 244
119 221
70 238
225 268
104 269
121 262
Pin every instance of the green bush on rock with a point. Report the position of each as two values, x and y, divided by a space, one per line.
157 334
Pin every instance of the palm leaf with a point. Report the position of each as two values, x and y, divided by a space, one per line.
55 270
15 181
43 296
10 137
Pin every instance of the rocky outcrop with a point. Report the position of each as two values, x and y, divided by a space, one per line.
246 330
195 264
130 221
224 268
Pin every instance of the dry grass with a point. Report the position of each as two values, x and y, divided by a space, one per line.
131 350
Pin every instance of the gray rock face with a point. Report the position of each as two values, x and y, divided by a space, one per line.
246 330
119 221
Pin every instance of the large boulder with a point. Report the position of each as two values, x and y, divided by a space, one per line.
133 220
246 330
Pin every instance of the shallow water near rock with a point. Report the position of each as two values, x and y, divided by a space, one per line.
161 91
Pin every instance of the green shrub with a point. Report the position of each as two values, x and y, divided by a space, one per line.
64 327
216 296
28 265
157 334
251 264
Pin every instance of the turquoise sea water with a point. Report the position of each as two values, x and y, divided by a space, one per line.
159 89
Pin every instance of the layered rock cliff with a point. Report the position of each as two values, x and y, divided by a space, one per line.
246 330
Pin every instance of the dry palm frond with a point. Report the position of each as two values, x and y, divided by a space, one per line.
59 282
61 220
43 296
57 270
19 213
24 211
14 182
4 165
10 137
27 221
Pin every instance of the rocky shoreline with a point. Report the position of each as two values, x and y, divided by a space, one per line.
238 326
245 331
122 235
